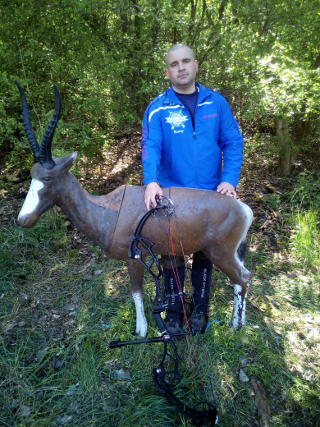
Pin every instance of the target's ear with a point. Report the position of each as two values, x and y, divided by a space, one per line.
65 163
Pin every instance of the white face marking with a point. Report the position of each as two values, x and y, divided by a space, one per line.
141 321
32 199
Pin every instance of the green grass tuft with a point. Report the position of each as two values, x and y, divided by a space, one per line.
305 238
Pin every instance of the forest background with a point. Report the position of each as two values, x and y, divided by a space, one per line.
107 58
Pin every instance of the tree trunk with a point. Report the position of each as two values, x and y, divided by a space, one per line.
285 147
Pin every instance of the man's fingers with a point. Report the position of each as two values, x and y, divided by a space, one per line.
149 203
222 190
152 191
227 189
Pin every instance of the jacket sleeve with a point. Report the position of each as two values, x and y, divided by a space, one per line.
231 144
152 139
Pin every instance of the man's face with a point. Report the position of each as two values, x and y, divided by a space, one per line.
181 68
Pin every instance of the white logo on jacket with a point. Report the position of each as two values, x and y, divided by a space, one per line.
176 119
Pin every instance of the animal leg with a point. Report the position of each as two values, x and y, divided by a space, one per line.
239 307
240 294
135 270
231 263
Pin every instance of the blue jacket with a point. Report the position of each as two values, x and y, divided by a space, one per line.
175 154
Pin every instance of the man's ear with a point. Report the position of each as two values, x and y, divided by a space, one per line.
197 64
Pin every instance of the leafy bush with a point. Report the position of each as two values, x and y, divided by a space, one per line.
306 192
10 126
305 238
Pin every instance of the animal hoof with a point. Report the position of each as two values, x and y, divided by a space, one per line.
142 329
235 324
142 333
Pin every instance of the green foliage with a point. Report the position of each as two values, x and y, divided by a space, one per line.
288 86
305 236
306 192
10 146
107 58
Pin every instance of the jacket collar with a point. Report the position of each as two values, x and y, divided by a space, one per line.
171 98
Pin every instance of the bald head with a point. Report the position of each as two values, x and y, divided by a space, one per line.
176 47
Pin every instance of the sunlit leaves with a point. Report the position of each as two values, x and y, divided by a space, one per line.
107 57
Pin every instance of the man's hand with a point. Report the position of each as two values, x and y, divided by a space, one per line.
227 189
153 189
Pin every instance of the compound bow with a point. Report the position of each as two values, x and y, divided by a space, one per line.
165 379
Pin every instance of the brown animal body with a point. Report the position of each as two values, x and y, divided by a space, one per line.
204 220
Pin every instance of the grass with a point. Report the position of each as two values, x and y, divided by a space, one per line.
62 301
305 237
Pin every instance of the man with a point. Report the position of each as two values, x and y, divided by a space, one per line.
190 139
